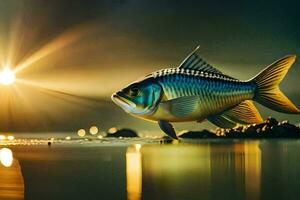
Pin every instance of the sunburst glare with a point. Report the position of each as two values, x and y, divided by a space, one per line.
26 74
7 76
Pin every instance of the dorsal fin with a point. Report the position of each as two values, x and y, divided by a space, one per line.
194 62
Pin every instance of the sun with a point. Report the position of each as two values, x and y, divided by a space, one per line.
7 76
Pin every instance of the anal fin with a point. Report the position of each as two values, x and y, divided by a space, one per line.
244 113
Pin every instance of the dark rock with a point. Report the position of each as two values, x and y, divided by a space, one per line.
271 128
198 134
239 128
252 130
286 130
272 121
268 129
123 133
278 131
261 125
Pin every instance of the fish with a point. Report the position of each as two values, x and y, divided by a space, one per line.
196 91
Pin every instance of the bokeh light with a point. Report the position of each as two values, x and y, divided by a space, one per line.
94 130
81 132
10 137
100 136
112 130
2 137
68 138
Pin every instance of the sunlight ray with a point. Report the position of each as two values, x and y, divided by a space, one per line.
58 93
65 39
29 108
8 104
15 40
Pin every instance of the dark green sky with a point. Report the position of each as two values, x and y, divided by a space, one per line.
126 40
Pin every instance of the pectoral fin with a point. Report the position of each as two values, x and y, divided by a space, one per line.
221 121
244 113
167 128
182 106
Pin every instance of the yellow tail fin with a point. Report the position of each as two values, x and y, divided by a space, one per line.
268 92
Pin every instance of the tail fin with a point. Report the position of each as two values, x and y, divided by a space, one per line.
268 92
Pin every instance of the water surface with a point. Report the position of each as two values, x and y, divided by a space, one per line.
147 169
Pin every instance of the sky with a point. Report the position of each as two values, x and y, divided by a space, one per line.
91 49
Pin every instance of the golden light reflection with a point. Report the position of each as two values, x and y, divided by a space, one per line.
2 137
248 169
134 172
11 181
6 157
138 147
177 170
211 171
252 170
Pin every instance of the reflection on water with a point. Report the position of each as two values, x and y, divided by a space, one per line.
134 172
222 169
252 170
6 157
181 171
11 179
176 170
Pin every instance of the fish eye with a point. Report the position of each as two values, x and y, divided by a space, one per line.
134 91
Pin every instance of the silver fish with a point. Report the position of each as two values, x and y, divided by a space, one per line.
196 91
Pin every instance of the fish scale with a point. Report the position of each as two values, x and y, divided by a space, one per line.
187 83
214 90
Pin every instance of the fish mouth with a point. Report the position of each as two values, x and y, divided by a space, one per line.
122 101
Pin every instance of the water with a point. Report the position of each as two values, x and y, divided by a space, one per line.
146 169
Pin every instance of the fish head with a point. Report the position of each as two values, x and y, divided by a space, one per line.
139 98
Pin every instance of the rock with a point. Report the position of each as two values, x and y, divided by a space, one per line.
268 129
278 131
198 134
123 133
272 121
261 125
252 130
230 133
271 128
285 122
